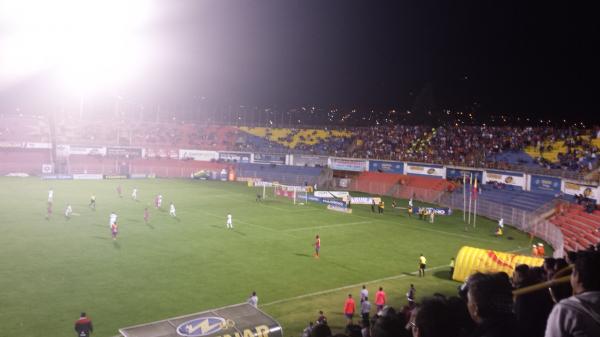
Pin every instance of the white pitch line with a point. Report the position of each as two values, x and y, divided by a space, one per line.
395 277
322 292
327 226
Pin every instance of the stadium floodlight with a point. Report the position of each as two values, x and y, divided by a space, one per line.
84 44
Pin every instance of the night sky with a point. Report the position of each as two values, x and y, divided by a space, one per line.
526 58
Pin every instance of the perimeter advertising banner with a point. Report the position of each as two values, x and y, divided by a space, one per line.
364 200
505 177
200 155
430 170
162 153
386 166
31 145
87 150
470 260
574 188
132 152
261 158
307 160
327 201
238 157
9 144
343 164
436 210
545 184
332 194
240 320
458 173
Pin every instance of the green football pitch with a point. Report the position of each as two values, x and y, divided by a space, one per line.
51 270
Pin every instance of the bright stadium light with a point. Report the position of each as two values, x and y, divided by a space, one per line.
84 44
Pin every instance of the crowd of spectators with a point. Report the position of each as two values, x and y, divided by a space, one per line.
487 305
474 146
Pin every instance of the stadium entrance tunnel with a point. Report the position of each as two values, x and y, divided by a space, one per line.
470 260
240 320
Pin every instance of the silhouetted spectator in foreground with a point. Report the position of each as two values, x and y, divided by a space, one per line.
579 315
433 318
490 305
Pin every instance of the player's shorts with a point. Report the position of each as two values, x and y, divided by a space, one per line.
422 266
318 248
349 316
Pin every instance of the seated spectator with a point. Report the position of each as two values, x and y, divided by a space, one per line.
579 315
532 309
490 305
320 330
389 324
434 318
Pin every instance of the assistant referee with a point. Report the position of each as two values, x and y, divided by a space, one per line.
422 265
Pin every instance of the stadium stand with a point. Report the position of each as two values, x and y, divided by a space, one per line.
288 175
580 229
524 200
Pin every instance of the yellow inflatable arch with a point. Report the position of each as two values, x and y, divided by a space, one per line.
470 260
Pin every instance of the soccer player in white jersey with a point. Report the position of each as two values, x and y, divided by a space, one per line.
229 221
68 212
159 201
134 194
172 210
50 196
113 219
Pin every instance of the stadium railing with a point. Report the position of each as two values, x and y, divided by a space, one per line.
532 222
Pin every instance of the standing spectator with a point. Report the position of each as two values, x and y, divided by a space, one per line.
372 205
307 331
380 299
364 293
541 250
490 305
365 310
253 300
579 315
83 326
349 308
410 294
321 319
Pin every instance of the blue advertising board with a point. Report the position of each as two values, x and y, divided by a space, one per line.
454 173
545 184
262 158
386 166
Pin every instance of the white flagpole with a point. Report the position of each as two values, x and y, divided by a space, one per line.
475 190
464 197
470 198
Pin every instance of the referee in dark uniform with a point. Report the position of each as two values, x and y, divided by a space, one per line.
83 326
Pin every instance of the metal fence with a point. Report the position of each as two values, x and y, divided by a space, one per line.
532 222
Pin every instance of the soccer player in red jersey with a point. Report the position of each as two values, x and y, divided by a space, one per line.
49 211
114 229
349 308
317 246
